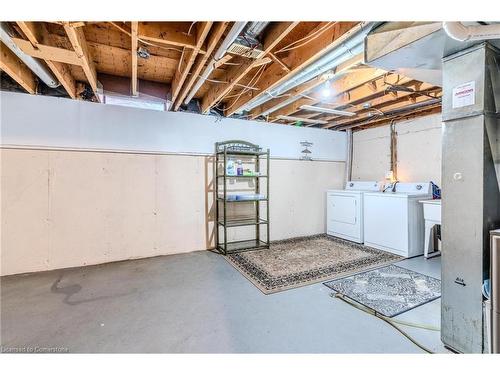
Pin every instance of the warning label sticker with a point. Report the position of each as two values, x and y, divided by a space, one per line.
464 95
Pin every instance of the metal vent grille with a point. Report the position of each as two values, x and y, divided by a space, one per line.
246 46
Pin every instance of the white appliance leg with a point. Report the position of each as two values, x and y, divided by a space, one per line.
429 237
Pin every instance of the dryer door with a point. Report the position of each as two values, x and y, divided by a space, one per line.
344 216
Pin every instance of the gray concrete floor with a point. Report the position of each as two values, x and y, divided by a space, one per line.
194 303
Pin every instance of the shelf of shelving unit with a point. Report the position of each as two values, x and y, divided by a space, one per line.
233 149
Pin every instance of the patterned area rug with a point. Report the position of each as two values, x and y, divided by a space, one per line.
301 261
390 290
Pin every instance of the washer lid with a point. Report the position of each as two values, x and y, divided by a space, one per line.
413 188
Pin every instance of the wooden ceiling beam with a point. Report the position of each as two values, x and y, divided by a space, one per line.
275 33
37 34
16 69
134 44
424 111
296 59
306 87
347 89
165 33
377 102
411 113
213 40
44 52
389 104
79 43
188 58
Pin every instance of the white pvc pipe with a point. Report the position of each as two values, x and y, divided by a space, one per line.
462 33
32 63
230 38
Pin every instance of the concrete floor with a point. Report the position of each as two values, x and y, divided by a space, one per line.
194 303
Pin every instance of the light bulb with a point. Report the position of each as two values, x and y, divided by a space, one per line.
325 92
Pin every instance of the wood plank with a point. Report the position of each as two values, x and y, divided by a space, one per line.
363 76
77 39
37 34
214 38
388 105
45 52
133 31
296 60
424 111
16 69
189 57
273 36
117 61
375 102
165 33
350 88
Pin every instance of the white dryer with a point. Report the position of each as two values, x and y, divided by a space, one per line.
345 210
394 220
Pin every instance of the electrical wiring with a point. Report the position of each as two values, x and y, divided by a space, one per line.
190 27
307 39
251 82
144 41
180 59
236 84
391 322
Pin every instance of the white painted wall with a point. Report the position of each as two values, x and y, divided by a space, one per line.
65 204
418 149
29 120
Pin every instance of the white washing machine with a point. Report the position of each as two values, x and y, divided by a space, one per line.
345 210
394 221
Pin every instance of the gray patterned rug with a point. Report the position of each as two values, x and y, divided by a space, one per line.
390 290
301 261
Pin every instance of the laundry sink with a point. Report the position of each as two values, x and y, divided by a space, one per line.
432 209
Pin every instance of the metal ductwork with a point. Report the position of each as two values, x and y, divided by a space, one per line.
221 51
34 64
254 29
462 33
347 46
416 49
248 44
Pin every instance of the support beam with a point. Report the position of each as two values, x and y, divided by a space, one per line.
388 106
296 59
77 39
364 75
371 123
348 89
133 34
188 58
44 52
213 40
37 34
16 69
381 102
235 74
165 33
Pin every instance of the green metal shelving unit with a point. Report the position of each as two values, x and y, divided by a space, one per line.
234 149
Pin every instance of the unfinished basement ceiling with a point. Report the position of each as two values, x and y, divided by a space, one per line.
293 73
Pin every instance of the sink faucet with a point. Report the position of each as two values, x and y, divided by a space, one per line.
394 186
